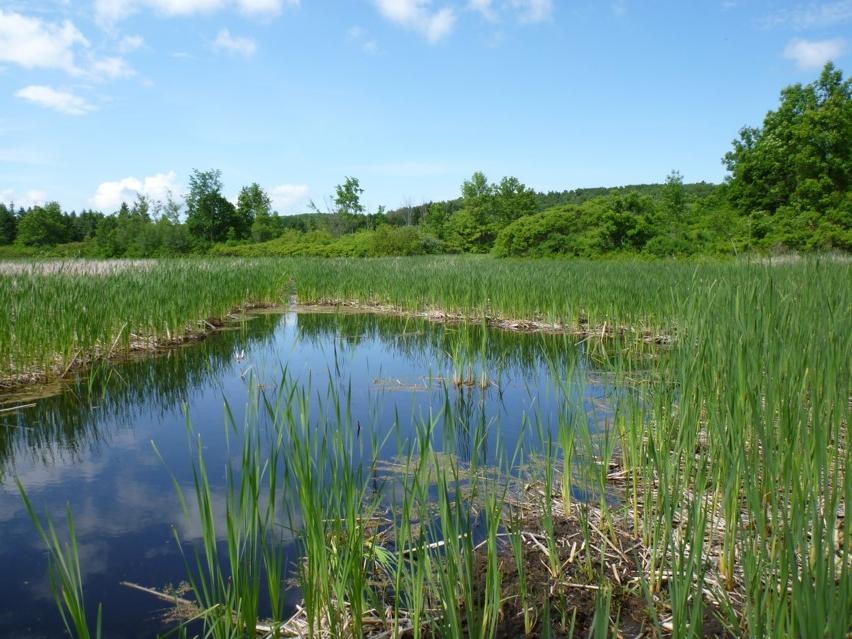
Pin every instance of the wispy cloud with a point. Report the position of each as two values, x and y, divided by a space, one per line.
51 98
812 16
419 15
534 10
812 54
359 36
236 45
485 8
110 68
110 12
130 43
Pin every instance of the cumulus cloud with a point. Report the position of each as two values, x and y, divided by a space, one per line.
236 45
26 199
35 43
534 10
287 198
420 16
812 54
110 195
51 98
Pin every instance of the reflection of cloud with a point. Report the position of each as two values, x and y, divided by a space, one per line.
94 560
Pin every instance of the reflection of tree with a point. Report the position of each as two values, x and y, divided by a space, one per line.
73 420
423 340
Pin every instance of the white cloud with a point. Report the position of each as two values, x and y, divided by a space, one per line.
812 16
360 37
26 200
245 47
419 16
115 67
110 195
109 12
50 98
534 10
129 44
812 54
32 42
484 7
265 7
288 198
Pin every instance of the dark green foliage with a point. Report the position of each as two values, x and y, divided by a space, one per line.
210 216
552 232
42 226
8 224
547 200
792 176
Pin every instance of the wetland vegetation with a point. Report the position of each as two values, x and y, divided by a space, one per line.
569 449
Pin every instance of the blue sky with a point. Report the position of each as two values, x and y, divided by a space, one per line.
100 99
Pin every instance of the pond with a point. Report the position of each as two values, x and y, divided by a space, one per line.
91 444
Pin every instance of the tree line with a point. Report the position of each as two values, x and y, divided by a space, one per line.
788 188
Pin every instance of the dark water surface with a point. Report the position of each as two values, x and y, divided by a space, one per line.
90 445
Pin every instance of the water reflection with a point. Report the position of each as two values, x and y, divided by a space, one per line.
90 445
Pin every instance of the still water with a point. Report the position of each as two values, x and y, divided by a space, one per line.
90 445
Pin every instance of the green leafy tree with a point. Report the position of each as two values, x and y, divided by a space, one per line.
8 224
792 176
486 209
674 197
347 196
210 216
255 206
42 226
512 200
436 218
473 228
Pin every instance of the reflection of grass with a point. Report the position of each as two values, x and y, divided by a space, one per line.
731 458
69 416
